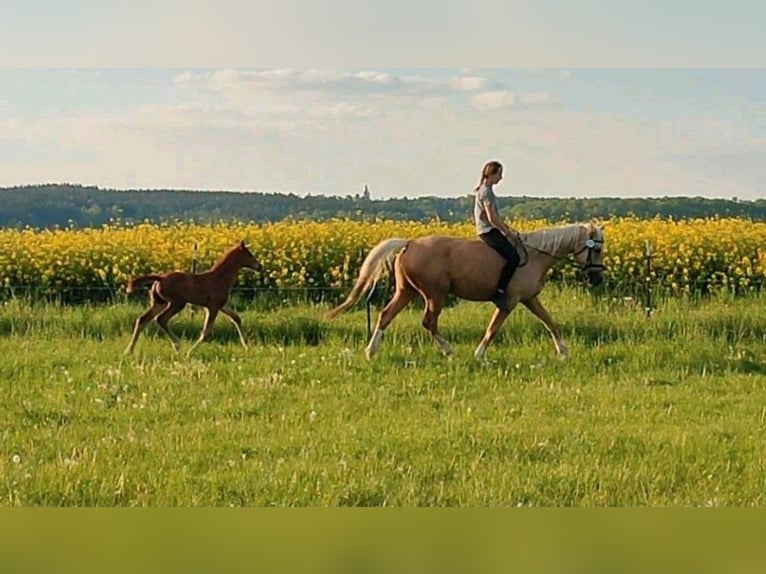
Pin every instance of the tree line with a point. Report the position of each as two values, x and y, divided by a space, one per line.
64 205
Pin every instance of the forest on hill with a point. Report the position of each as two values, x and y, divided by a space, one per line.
63 205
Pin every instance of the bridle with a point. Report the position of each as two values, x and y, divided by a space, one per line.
590 245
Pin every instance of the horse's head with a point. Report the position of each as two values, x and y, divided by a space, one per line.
589 253
245 259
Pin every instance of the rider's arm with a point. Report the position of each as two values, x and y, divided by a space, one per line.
494 218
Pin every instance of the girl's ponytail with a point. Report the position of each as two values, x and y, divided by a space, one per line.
489 168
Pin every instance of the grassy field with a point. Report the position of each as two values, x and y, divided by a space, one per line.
667 411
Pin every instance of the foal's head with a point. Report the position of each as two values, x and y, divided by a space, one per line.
241 256
589 252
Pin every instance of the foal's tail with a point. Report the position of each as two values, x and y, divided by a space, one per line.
371 270
136 282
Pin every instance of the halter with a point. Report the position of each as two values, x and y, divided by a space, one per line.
590 244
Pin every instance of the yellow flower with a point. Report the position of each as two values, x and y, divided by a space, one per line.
329 253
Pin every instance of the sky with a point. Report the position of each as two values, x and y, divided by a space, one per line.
288 97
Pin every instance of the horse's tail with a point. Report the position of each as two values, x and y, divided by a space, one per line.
140 281
371 270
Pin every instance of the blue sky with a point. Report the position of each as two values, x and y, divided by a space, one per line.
559 132
590 98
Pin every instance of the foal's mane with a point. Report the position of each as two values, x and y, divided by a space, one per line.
225 257
550 239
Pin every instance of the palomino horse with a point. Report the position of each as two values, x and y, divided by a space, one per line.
437 266
173 290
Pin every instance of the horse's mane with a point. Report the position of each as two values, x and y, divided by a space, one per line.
224 257
550 239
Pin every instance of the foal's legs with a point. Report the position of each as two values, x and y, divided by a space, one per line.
231 314
494 326
431 323
401 299
541 313
173 308
210 315
143 321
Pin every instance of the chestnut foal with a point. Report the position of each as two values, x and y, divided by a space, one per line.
171 291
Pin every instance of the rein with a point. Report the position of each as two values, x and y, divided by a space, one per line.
590 243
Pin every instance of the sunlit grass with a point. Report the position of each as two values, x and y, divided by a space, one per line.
662 411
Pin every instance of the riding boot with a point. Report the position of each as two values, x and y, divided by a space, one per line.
500 300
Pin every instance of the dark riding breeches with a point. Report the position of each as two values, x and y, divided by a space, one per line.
499 242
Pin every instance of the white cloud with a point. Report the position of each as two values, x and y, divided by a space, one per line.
329 81
493 100
537 98
333 131
470 83
498 99
342 110
308 95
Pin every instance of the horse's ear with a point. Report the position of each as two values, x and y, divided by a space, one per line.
600 223
242 244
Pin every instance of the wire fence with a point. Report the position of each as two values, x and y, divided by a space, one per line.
651 288
657 288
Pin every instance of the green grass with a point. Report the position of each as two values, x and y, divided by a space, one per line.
667 411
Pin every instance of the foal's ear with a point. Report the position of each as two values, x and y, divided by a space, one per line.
242 244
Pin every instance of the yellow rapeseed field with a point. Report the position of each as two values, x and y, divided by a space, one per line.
297 254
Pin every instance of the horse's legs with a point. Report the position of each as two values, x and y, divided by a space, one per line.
401 299
173 308
431 323
494 326
210 315
143 321
541 313
231 314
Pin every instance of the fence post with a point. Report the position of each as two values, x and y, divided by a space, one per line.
648 278
193 270
369 297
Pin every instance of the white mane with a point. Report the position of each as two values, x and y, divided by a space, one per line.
550 239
